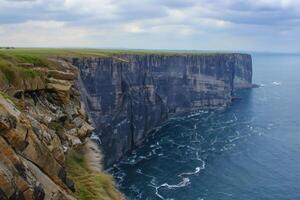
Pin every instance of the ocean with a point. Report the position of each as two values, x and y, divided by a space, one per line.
247 151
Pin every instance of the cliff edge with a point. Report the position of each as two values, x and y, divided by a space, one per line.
43 129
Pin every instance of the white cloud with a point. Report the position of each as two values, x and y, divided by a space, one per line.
39 24
43 33
133 28
187 31
215 23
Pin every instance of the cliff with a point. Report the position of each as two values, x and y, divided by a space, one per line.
127 95
45 152
51 99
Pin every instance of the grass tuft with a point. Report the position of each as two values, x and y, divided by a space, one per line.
90 185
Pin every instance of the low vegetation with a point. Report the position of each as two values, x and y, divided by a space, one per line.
14 75
83 52
90 184
9 98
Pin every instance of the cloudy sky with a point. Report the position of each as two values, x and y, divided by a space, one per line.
250 25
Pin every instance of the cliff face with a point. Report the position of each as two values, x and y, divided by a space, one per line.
128 95
36 131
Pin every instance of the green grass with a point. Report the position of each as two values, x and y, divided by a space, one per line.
86 52
19 105
7 97
12 72
90 185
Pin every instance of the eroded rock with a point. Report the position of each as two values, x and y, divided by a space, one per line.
34 141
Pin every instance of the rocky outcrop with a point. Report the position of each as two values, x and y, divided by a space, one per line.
128 95
36 133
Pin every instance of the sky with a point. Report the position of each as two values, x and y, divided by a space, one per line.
246 25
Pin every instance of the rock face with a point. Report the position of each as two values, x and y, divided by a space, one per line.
128 95
35 135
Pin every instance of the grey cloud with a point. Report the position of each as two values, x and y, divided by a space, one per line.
176 3
247 17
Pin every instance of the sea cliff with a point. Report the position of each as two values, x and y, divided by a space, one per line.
52 100
127 95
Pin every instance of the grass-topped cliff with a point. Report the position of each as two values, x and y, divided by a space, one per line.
42 125
23 68
81 52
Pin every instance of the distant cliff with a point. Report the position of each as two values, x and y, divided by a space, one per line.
127 95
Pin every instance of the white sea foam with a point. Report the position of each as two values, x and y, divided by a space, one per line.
198 158
235 118
224 193
183 183
185 180
276 83
197 170
96 138
119 176
153 178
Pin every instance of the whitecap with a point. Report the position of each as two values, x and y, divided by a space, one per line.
276 83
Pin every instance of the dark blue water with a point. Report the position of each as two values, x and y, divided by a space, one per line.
249 151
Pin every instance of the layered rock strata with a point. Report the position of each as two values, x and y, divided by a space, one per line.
128 95
36 133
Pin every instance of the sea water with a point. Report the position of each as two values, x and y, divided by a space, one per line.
248 151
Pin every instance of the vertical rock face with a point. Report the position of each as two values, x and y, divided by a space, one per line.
128 95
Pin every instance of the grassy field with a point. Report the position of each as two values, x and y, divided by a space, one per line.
82 52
